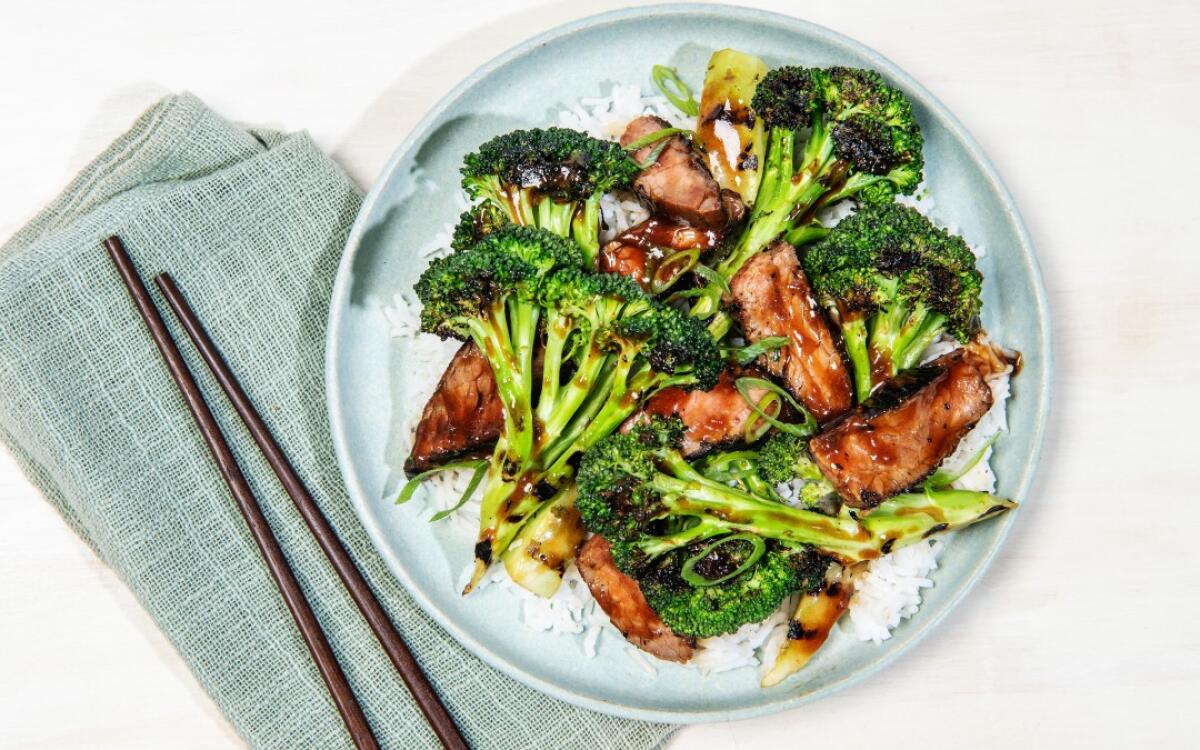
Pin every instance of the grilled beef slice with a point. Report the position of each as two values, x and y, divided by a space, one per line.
909 425
711 419
678 183
462 418
773 298
639 251
621 599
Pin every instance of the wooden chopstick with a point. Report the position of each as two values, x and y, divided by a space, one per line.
360 591
306 621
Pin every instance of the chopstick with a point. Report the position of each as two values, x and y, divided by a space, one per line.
306 621
360 591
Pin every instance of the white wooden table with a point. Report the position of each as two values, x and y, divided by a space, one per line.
1086 632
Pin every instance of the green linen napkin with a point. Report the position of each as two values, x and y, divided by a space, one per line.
251 224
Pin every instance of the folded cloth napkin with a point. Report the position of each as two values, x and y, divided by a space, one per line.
251 224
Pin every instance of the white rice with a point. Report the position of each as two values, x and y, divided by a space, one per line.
885 594
607 116
890 590
745 647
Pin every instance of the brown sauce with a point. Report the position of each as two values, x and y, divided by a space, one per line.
639 251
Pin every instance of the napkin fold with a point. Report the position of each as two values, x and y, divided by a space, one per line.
251 223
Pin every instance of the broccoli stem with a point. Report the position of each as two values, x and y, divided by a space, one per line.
558 330
732 509
739 466
609 406
806 234
854 185
854 338
629 382
780 165
601 412
523 324
585 228
554 216
899 334
562 410
498 486
904 519
895 523
524 212
913 342
493 338
886 327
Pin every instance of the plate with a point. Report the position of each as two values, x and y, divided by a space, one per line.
368 380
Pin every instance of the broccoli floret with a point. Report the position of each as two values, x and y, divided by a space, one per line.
549 178
750 596
475 223
784 457
780 459
860 140
606 345
788 98
894 282
874 135
488 293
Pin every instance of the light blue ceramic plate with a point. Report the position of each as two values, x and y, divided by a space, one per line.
369 385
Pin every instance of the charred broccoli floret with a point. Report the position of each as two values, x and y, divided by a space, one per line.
711 588
605 343
475 223
895 283
637 489
550 178
832 134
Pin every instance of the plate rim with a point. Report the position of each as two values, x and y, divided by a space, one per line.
340 294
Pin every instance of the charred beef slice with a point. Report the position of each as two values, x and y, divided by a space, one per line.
711 419
462 418
773 298
621 599
677 183
909 425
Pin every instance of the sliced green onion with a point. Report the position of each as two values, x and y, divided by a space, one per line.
689 293
672 269
652 157
756 426
799 429
712 277
479 466
689 574
668 82
747 354
712 290
655 137
942 479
